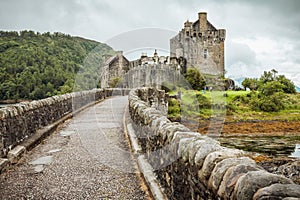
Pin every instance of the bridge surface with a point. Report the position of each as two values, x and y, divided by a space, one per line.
87 158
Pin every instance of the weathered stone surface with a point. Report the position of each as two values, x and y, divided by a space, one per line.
205 149
231 177
194 147
215 157
170 134
221 168
248 184
183 148
180 135
3 164
290 170
14 154
278 191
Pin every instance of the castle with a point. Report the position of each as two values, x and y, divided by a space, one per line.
201 44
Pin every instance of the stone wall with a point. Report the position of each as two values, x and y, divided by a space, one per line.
153 75
21 121
189 165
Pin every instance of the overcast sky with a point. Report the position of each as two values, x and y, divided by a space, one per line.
261 34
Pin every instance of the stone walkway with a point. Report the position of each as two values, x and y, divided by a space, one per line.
88 158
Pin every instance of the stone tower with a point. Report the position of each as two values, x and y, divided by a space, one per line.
201 44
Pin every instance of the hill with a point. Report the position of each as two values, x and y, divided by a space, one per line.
35 66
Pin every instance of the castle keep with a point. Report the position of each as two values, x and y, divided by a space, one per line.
201 44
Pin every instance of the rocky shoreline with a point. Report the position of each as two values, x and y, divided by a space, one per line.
255 127
287 167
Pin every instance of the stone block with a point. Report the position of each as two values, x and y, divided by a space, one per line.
14 154
208 147
250 183
194 147
231 177
221 168
215 157
278 191
169 134
157 123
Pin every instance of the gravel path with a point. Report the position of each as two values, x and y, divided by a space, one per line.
88 158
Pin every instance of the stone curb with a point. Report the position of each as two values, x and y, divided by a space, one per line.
136 148
4 163
143 165
17 152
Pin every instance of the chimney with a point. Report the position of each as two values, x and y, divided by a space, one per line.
203 21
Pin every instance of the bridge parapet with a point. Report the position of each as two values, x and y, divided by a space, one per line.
21 121
189 165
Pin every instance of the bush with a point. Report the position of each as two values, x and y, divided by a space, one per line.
114 82
174 111
195 79
174 107
203 102
230 107
272 103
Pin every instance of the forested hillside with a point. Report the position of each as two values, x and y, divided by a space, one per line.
35 66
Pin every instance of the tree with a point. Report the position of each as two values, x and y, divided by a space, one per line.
288 85
271 88
35 66
268 76
272 91
195 79
272 80
251 83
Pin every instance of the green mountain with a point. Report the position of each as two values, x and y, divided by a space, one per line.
36 66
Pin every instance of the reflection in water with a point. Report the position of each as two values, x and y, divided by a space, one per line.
296 153
269 145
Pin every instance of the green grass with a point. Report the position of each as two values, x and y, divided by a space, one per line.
236 110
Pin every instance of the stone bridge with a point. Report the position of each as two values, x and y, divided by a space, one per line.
119 144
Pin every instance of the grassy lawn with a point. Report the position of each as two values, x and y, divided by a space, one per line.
197 104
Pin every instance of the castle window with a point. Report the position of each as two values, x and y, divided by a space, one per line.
205 53
187 33
200 35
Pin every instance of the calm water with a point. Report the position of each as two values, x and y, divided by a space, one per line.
270 145
296 153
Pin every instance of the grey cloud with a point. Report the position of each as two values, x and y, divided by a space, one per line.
239 53
277 20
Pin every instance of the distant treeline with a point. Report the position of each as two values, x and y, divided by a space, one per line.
36 66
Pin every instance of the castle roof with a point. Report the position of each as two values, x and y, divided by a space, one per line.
113 59
209 25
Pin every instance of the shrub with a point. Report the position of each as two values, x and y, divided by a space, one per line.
174 107
174 111
195 79
203 102
272 103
